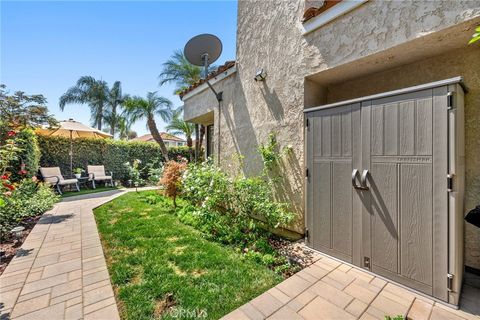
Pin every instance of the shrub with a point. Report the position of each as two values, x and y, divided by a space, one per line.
231 210
111 153
254 197
27 200
134 173
172 173
246 200
155 172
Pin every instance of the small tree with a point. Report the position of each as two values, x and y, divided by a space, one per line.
20 110
171 179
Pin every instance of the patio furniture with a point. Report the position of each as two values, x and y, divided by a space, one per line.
54 177
83 181
72 129
97 173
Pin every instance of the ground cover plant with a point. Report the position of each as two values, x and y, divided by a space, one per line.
161 267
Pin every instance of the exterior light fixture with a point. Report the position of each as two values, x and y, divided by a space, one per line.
17 232
260 75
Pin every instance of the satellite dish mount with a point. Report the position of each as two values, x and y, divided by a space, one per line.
202 50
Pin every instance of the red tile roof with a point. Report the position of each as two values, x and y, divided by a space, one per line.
314 11
213 74
164 135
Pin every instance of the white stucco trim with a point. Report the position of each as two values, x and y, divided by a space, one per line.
330 14
216 79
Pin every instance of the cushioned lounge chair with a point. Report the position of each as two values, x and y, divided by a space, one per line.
54 177
97 173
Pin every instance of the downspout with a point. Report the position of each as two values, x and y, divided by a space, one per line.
219 97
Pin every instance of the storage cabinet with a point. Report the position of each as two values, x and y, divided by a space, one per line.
385 180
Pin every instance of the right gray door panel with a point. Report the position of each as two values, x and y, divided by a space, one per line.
398 212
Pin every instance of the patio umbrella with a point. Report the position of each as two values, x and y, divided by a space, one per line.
72 129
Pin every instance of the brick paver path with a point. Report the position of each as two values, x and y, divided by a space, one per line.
329 289
60 271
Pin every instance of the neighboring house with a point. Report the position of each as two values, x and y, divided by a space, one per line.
409 225
169 139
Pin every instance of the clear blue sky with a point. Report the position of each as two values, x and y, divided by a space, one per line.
46 46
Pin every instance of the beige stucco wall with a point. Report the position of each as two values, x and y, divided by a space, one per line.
307 70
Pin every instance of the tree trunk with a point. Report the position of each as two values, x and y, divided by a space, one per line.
152 126
100 117
114 121
189 141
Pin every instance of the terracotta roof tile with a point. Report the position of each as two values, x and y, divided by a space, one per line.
312 12
211 75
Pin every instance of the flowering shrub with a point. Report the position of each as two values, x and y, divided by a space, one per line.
133 170
245 200
172 173
27 199
235 211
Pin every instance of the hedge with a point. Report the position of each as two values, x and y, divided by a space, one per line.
111 153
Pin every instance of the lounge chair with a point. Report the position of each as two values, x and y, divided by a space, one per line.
54 177
97 173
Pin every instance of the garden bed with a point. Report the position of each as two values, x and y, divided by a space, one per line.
161 267
10 245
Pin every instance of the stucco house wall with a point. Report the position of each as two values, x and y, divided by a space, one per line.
379 46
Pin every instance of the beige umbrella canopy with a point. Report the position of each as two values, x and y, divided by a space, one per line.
72 129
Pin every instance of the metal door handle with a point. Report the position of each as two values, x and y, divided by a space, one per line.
363 183
354 179
363 179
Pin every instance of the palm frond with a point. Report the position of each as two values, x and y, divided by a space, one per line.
177 69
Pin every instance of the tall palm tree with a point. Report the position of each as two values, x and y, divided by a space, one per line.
177 69
124 125
178 126
139 108
115 99
89 91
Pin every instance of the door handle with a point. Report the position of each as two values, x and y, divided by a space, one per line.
363 182
363 179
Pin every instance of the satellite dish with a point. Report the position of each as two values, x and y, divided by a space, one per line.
203 45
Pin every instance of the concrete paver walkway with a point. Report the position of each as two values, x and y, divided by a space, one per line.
330 289
60 271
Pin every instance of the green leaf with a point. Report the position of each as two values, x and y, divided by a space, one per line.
476 37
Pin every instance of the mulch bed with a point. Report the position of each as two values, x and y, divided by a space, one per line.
296 251
9 246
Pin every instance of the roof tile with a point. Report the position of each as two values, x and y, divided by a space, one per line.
227 65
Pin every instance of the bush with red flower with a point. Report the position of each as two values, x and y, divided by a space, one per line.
21 196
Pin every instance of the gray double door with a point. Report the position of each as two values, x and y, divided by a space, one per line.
376 186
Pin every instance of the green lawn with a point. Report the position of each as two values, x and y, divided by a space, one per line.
84 190
161 268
